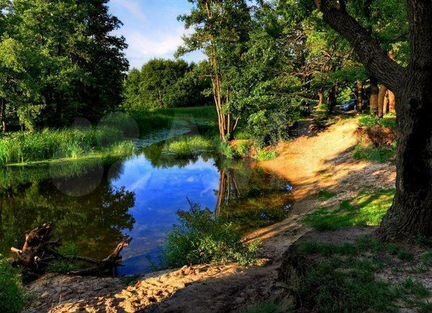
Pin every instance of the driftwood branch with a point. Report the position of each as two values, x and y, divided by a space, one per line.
39 250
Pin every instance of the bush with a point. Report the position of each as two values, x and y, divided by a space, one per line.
203 238
12 296
370 153
388 121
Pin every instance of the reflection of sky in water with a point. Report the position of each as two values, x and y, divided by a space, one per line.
160 193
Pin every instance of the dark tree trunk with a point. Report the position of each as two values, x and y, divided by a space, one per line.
2 115
411 212
332 99
373 102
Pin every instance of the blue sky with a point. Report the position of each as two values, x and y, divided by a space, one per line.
151 28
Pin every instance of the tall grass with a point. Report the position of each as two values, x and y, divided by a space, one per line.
25 147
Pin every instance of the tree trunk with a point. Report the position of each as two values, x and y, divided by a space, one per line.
373 102
320 97
411 213
381 100
360 98
332 99
2 116
392 101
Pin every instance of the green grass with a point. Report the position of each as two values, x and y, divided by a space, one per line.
388 121
380 155
266 155
21 147
343 278
366 210
185 147
12 295
203 238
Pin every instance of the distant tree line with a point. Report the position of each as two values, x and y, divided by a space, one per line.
58 60
166 84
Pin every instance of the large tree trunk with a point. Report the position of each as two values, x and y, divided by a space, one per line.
411 212
373 102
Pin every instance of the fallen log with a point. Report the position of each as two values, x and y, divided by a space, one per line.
39 250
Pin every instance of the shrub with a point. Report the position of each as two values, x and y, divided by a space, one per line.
203 238
12 297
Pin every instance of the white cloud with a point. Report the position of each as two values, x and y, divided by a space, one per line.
132 7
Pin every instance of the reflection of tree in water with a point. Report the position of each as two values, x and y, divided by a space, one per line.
91 224
250 197
160 158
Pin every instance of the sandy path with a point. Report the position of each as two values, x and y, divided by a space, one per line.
311 164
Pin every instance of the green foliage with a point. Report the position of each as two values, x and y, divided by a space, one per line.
25 147
204 238
366 210
166 83
69 65
12 296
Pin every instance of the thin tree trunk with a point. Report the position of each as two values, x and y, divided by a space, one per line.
392 101
360 98
320 97
381 100
373 102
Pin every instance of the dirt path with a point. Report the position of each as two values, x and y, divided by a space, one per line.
311 164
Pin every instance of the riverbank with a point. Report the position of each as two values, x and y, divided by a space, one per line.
316 165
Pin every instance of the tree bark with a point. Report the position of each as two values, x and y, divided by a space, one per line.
360 96
332 99
373 102
381 99
320 97
392 101
411 213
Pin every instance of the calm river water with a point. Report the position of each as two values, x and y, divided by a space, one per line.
93 203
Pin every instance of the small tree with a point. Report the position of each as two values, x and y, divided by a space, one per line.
221 30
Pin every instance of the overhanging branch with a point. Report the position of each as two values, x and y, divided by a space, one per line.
374 58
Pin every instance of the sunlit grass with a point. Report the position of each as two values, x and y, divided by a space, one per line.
189 146
366 210
21 147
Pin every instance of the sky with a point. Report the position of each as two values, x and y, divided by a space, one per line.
151 28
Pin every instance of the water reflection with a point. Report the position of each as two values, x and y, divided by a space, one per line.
138 197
